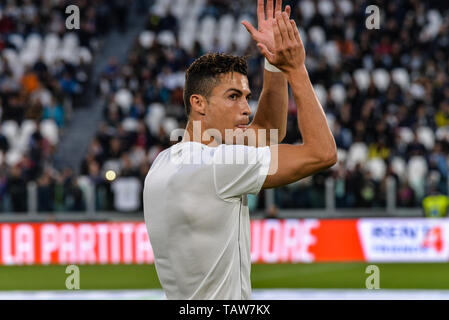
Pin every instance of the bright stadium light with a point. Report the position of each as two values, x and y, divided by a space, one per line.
110 175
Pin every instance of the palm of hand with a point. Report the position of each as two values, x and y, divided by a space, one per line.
264 33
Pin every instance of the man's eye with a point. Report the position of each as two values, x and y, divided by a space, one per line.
233 96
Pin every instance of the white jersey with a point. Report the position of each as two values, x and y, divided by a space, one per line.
197 217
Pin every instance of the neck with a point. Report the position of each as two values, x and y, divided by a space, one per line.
196 132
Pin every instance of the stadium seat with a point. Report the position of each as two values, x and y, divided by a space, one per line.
85 185
13 157
325 8
179 8
225 31
377 168
426 137
154 117
417 168
358 153
307 9
10 130
398 166
85 55
188 33
381 79
400 77
342 155
27 128
34 42
166 38
338 93
362 78
146 39
130 124
51 41
317 35
242 38
406 134
17 40
430 31
49 130
416 173
69 55
70 40
321 93
331 53
169 124
417 90
442 133
345 6
206 33
124 99
29 55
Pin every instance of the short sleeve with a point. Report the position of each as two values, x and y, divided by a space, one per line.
239 170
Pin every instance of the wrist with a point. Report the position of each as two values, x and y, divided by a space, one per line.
297 72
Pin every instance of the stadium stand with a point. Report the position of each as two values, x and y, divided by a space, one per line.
385 93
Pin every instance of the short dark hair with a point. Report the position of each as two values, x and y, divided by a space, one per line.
203 74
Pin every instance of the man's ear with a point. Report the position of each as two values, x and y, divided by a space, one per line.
198 103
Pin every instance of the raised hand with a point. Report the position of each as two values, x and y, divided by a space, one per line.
288 53
264 34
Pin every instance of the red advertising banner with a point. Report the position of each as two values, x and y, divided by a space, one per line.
75 243
272 241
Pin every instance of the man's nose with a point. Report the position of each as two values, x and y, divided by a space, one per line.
246 109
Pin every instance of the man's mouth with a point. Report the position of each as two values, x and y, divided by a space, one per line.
242 126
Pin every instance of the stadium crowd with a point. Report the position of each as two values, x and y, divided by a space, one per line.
44 75
385 93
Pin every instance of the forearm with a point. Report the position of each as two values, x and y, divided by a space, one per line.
312 121
273 104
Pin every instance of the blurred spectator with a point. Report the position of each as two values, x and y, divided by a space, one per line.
435 205
17 190
45 193
127 194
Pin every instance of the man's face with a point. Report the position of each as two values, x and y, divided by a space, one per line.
227 106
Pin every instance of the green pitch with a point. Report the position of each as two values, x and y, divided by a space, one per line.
315 275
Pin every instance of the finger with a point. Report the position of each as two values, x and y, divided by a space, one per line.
288 10
249 27
288 25
277 34
295 31
265 52
270 9
278 7
260 11
282 27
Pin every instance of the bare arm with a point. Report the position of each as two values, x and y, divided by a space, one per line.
318 151
273 103
273 106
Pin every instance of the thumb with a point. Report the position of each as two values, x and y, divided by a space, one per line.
266 53
249 27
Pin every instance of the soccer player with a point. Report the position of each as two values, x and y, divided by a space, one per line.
195 194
